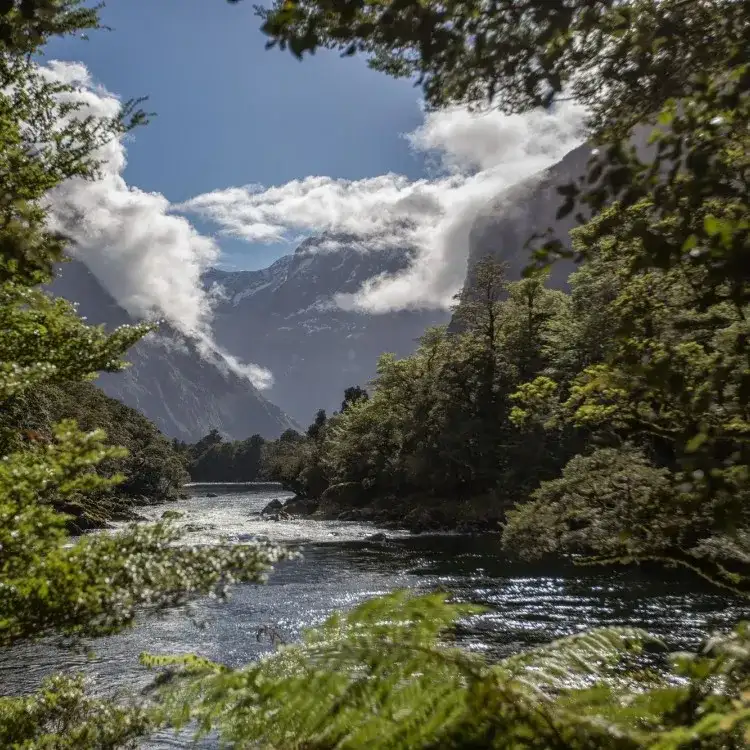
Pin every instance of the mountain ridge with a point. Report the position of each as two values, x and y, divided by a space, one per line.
168 380
286 318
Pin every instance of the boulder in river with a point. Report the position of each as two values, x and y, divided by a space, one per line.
274 506
211 494
300 506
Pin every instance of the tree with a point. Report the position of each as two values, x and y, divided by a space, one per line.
528 53
52 584
667 87
670 382
315 430
352 395
214 437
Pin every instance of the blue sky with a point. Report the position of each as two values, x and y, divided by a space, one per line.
322 140
230 112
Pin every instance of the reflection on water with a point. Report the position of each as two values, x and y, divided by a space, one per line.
526 604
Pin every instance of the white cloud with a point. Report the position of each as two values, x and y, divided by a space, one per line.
150 257
479 155
147 258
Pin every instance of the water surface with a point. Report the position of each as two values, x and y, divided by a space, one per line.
527 604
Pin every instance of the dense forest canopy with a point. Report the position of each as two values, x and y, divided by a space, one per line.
152 471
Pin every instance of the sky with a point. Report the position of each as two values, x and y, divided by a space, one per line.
252 150
230 112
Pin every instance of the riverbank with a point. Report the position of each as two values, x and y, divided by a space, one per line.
525 604
418 514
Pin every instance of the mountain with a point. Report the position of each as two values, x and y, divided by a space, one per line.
284 317
504 225
168 381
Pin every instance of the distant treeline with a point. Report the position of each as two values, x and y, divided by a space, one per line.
213 459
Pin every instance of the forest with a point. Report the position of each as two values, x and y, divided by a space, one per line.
539 399
612 422
152 470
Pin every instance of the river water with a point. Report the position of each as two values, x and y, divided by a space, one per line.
527 604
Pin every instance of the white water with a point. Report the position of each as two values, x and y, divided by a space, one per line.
236 517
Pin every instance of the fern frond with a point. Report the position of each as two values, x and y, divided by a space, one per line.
577 661
380 677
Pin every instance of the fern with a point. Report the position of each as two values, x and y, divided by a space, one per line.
576 661
382 676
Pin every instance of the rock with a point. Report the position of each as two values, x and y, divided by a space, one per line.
273 507
193 527
126 515
78 521
211 494
300 506
379 537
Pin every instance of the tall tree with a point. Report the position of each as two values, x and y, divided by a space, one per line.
52 584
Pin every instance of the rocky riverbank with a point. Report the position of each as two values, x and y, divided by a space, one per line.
347 502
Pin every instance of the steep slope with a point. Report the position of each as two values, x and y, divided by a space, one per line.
504 226
285 318
168 381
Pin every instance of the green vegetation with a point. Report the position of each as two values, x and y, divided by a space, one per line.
152 470
630 396
212 459
435 442
383 676
50 584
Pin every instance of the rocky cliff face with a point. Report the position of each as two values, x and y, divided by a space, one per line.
285 318
184 395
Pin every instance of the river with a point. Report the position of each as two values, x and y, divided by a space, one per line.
527 604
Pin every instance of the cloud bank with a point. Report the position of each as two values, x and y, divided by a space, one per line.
477 157
149 259
149 256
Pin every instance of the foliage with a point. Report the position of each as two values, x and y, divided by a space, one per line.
438 424
670 381
51 584
63 716
641 372
352 395
212 459
386 676
94 585
152 470
315 430
295 460
641 375
677 67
